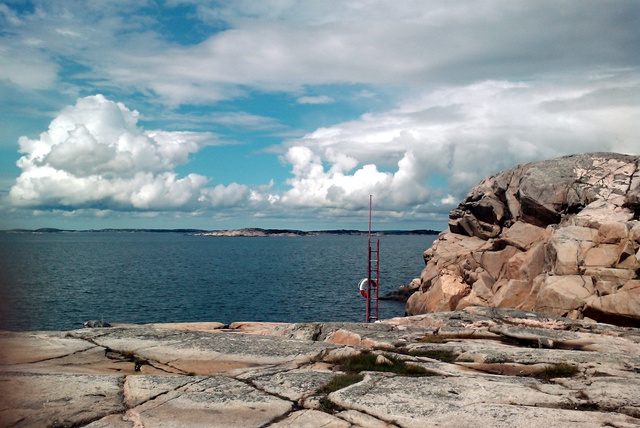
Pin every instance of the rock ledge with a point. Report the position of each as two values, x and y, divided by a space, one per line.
486 366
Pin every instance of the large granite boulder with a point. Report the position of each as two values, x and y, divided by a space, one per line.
560 236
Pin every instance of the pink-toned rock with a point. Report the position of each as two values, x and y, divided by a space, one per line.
561 236
512 294
604 255
261 328
612 233
494 261
562 257
444 294
622 305
492 381
634 233
560 294
191 326
311 418
523 235
344 337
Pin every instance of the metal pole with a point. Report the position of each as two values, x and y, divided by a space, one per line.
368 305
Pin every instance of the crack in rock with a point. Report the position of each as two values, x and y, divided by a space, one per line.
63 356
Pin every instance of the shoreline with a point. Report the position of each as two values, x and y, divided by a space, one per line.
232 232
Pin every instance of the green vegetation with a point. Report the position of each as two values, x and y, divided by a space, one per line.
337 382
340 381
557 370
367 361
327 406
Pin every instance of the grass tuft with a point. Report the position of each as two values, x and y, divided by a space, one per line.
367 362
327 406
340 381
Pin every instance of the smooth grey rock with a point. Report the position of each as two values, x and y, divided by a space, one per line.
210 402
43 400
294 385
311 419
483 363
472 401
360 419
205 352
16 348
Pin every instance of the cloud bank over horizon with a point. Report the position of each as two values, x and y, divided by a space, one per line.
269 113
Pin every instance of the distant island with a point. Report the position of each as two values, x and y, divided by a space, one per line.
257 232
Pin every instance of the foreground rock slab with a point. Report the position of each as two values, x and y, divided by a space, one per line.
479 366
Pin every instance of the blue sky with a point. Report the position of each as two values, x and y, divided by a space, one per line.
289 114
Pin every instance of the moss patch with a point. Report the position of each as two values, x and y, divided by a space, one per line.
327 406
367 362
340 381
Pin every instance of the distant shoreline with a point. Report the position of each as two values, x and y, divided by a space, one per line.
255 232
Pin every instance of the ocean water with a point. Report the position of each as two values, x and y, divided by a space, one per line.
56 281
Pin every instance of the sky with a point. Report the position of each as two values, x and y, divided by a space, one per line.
290 114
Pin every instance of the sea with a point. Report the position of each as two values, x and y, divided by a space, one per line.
57 281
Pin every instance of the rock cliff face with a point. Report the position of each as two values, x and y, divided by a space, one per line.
560 236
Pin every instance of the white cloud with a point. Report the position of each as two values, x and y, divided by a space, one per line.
9 15
472 87
27 67
465 133
320 99
244 120
226 196
289 45
94 155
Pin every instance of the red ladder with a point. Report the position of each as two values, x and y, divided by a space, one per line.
373 280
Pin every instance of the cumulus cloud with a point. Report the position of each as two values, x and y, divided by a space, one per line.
461 133
470 87
95 155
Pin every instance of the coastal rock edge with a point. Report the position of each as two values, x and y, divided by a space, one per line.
559 236
480 366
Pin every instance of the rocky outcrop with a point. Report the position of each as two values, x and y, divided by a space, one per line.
560 236
477 367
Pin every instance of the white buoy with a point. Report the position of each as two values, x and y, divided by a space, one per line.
363 286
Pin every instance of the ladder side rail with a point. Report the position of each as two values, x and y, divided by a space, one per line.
377 278
368 299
